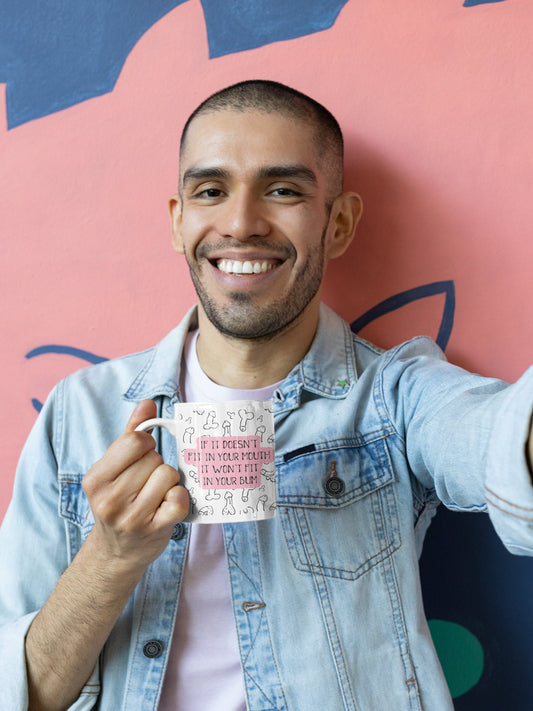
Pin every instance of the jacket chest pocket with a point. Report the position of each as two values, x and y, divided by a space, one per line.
74 509
338 508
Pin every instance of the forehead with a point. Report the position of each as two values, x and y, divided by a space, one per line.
246 140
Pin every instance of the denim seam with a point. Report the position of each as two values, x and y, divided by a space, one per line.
129 687
403 644
377 435
338 656
509 513
59 421
233 594
509 503
245 655
367 345
379 394
135 386
248 674
396 604
306 566
325 502
381 402
239 567
264 621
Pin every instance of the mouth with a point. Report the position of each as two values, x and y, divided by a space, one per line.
235 266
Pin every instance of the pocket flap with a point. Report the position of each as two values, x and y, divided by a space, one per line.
361 468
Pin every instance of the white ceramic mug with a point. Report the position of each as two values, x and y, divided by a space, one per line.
225 458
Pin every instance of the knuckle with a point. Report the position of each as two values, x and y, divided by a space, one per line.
154 459
104 509
91 482
87 484
168 474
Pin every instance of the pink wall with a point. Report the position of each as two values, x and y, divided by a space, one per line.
437 109
435 102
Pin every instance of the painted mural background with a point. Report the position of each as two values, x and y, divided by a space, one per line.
435 102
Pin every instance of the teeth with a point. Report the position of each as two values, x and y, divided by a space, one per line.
231 266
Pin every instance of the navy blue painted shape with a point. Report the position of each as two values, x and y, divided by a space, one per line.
472 3
237 25
406 297
55 54
37 404
66 350
468 577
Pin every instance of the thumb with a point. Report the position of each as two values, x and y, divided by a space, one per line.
145 410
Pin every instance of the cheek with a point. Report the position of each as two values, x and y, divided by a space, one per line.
191 233
311 238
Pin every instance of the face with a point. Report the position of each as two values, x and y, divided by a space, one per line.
252 222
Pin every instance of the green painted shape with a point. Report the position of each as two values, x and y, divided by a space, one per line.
460 654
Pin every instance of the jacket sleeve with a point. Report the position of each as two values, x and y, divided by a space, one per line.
465 436
34 551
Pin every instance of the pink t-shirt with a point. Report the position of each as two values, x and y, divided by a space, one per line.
204 668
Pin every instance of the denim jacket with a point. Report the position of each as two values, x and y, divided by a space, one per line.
326 595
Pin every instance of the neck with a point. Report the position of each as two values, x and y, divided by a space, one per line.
250 363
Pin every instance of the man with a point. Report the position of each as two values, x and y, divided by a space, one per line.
109 601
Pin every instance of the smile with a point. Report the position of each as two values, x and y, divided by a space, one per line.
233 266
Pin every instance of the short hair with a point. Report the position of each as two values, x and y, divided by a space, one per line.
273 97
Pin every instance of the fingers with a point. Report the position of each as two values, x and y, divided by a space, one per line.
132 475
126 450
156 486
174 507
158 503
132 449
134 496
162 499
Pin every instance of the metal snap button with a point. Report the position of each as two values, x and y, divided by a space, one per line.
179 531
153 648
334 485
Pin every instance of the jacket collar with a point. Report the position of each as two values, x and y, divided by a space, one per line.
327 369
160 374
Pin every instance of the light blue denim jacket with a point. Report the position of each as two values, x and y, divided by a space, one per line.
326 595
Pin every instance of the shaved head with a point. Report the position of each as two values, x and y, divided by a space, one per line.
273 97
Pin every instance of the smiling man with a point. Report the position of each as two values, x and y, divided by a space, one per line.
109 600
259 213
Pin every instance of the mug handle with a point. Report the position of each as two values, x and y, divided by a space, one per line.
156 422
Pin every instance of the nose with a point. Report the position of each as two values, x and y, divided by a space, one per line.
243 217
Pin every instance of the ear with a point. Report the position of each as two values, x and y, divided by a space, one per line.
345 213
174 209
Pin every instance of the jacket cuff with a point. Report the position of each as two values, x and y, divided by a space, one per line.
13 676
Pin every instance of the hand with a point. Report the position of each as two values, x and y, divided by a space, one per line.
135 497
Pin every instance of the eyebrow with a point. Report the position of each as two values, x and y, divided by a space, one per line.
204 173
289 171
297 170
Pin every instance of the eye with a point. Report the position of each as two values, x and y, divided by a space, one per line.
285 192
210 193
